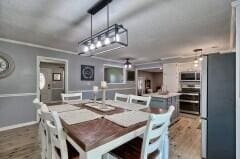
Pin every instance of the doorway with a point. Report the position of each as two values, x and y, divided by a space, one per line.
149 80
51 79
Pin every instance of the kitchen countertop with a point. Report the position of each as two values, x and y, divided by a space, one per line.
157 95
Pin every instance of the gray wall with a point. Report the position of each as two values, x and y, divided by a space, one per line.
19 109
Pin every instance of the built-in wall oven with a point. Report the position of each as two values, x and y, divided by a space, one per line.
190 97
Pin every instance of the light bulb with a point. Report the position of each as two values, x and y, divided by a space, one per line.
85 49
117 37
99 44
125 65
196 61
195 65
129 66
107 41
200 58
92 46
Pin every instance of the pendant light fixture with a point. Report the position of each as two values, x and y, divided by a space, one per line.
198 57
201 55
127 64
109 39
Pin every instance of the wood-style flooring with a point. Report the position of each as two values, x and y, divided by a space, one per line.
22 143
185 138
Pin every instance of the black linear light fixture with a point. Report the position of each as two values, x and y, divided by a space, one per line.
127 64
109 39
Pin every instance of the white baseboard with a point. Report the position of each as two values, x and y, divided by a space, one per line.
17 126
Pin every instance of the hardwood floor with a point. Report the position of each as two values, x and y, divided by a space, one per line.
22 143
185 138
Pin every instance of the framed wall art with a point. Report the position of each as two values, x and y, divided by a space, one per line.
57 77
87 73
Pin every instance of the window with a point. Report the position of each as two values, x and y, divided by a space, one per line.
113 74
42 81
130 75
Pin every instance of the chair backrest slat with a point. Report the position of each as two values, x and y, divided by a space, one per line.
58 139
154 145
133 98
71 97
156 132
119 96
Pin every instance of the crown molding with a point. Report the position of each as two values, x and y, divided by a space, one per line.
96 57
236 3
51 49
36 46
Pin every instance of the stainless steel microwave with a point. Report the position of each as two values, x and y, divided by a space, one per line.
190 76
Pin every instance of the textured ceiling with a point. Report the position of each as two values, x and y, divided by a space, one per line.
157 28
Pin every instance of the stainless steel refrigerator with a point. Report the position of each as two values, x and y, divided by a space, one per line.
218 97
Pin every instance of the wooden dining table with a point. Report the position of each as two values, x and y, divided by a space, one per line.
94 138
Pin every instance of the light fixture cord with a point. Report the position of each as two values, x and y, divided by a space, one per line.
91 27
108 16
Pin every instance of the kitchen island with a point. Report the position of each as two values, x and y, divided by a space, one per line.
164 101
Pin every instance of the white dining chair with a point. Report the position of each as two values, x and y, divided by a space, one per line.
60 148
121 97
41 128
37 106
156 135
71 97
155 144
44 134
145 100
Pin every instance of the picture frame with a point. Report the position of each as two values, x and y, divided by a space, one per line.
87 73
57 77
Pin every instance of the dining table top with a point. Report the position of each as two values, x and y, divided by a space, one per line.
91 134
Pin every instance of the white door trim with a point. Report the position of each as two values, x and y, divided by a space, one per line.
53 60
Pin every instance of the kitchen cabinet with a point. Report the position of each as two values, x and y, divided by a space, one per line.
171 77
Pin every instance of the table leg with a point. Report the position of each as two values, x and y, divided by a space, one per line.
83 154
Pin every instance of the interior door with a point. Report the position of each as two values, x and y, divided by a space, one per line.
45 84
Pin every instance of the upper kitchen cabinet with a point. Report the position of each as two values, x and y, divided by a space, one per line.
171 77
189 67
